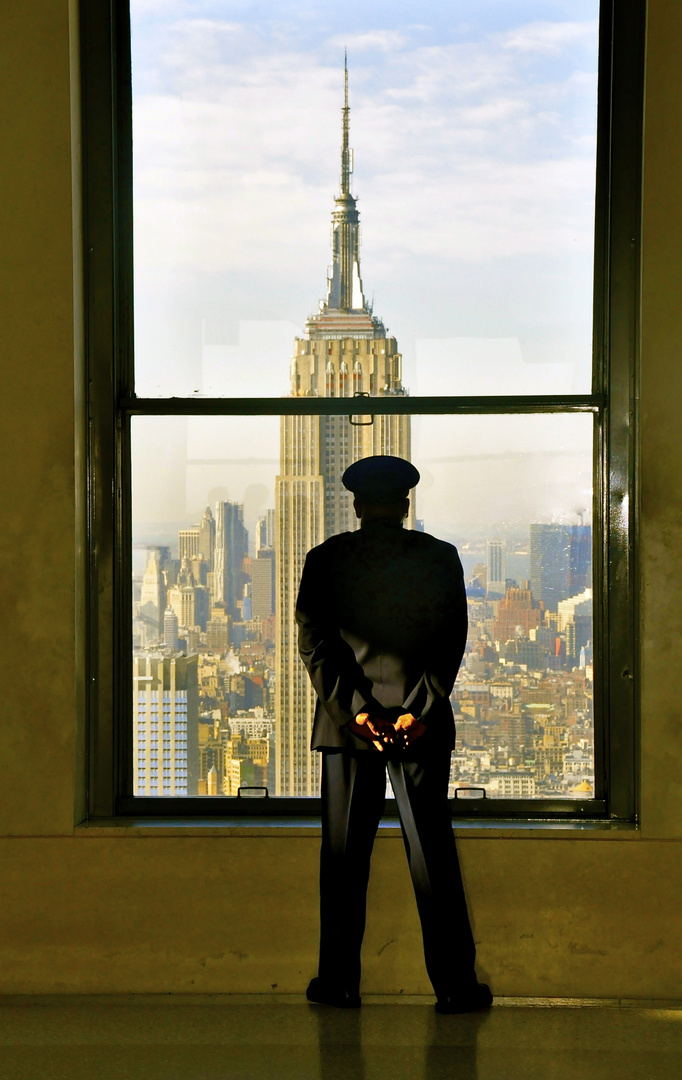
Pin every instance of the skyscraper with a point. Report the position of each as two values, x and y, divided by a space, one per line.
581 558
263 568
550 549
188 599
188 543
231 545
265 532
560 561
496 567
152 599
207 537
346 351
170 629
165 725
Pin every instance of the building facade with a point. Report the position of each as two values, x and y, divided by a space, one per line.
560 561
165 720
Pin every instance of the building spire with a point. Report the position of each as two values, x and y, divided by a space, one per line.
345 286
345 310
346 152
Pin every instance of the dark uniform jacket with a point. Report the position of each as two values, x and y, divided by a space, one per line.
382 620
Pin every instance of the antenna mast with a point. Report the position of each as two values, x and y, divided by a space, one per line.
346 152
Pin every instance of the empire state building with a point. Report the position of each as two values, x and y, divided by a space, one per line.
345 351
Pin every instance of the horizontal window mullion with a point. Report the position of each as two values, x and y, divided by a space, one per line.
292 406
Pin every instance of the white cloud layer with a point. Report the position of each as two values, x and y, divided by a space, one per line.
456 150
474 160
550 38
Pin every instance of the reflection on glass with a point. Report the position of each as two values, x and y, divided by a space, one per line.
225 509
474 128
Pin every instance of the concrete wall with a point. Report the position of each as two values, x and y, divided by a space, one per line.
113 910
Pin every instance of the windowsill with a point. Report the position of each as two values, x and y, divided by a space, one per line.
308 828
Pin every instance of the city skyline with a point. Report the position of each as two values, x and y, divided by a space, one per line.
523 698
480 475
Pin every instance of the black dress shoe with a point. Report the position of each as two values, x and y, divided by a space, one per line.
479 997
322 993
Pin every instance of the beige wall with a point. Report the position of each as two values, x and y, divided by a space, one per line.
38 342
151 910
661 448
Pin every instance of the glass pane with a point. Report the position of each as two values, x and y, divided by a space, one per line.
225 509
474 131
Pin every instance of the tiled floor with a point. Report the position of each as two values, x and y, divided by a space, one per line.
217 1038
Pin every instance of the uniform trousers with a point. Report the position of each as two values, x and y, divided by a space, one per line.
353 796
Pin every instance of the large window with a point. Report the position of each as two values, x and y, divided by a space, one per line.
485 149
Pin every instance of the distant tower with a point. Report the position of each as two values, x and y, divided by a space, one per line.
346 351
580 558
170 629
207 537
263 568
188 543
152 599
188 599
265 532
550 563
212 781
231 545
496 568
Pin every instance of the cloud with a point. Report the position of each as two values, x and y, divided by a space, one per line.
467 155
249 148
550 38
142 9
385 40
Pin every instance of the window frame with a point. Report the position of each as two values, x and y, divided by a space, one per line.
107 212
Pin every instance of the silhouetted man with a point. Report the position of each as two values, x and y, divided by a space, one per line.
382 622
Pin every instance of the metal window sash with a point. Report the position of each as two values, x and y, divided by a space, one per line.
107 210
376 406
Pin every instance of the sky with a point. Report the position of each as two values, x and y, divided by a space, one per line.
473 127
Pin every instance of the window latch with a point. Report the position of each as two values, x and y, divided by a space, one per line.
358 420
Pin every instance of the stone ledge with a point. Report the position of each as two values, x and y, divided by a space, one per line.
309 829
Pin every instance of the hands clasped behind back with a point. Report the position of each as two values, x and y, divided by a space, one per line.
385 735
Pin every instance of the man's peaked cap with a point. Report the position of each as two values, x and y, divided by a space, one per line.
380 479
